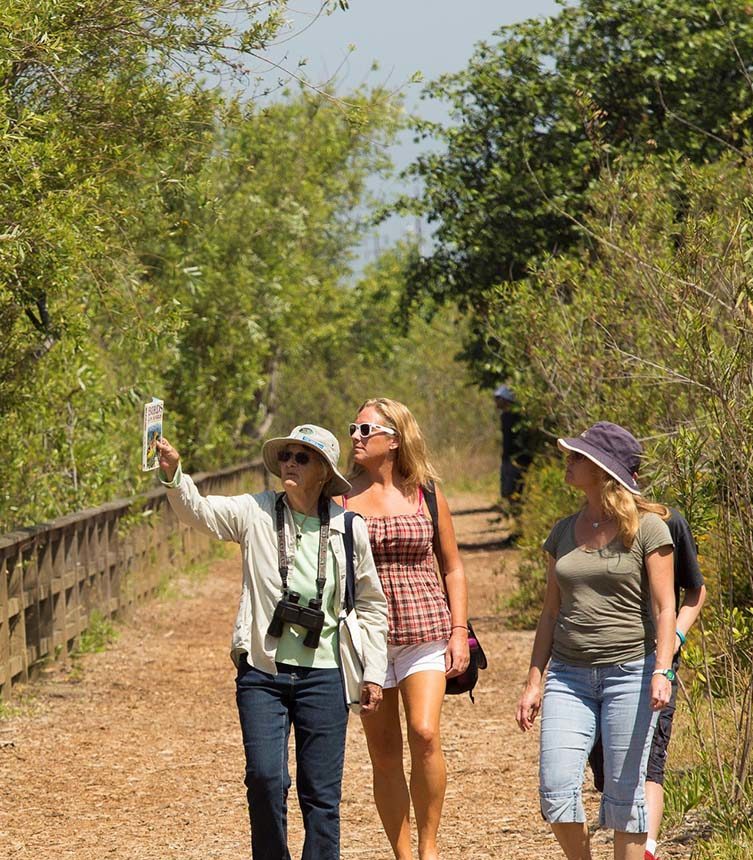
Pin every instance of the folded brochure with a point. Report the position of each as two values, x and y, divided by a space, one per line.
152 433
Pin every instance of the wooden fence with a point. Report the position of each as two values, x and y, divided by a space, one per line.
105 559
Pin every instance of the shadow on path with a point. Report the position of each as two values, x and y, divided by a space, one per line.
468 511
487 546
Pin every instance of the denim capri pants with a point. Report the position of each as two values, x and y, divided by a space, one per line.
580 704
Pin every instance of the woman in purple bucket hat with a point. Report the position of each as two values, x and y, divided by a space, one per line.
607 633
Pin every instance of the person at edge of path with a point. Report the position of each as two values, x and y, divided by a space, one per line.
292 546
515 455
689 580
428 635
610 662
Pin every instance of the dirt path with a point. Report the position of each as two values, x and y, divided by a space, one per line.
139 757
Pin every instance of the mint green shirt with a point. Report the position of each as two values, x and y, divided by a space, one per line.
302 578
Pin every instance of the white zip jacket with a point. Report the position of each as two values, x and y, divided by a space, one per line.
250 521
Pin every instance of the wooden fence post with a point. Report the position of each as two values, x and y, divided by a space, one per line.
5 679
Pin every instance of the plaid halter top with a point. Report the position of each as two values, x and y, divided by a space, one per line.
403 551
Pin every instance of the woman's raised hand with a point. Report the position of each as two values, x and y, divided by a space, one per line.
168 458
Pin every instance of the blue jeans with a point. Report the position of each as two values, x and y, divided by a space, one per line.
581 703
312 701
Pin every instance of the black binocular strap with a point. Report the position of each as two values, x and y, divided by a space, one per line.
282 552
350 562
430 497
321 567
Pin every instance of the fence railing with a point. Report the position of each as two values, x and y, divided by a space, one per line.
53 576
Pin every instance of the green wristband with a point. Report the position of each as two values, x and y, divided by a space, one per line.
680 637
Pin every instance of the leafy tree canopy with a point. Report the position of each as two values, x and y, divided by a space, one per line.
540 115
101 110
158 238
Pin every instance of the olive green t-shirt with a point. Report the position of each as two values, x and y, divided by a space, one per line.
605 613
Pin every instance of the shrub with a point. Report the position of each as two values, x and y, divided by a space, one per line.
546 499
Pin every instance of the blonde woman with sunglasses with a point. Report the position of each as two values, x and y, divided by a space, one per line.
428 639
601 662
294 667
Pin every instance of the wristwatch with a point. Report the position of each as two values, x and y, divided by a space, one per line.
669 674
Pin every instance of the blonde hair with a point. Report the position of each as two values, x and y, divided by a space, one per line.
627 509
412 461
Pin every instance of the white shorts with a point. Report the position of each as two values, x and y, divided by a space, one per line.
404 660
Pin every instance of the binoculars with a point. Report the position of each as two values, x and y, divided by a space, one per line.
289 611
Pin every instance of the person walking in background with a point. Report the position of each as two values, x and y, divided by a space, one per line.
428 639
515 454
610 663
688 579
292 665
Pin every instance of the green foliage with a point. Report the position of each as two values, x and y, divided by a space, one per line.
99 633
102 118
726 833
24 704
726 846
546 499
365 358
543 114
276 220
594 331
161 239
94 128
157 238
684 792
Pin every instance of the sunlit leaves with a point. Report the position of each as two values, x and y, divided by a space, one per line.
156 239
550 106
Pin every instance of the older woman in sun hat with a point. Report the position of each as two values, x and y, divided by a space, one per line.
294 666
609 654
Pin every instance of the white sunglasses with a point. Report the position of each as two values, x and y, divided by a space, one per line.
366 429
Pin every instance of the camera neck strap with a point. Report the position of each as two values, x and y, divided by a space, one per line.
282 553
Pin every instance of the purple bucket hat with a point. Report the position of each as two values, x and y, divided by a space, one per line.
612 448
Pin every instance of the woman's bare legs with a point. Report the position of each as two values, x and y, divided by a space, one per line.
384 737
574 840
629 846
423 694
